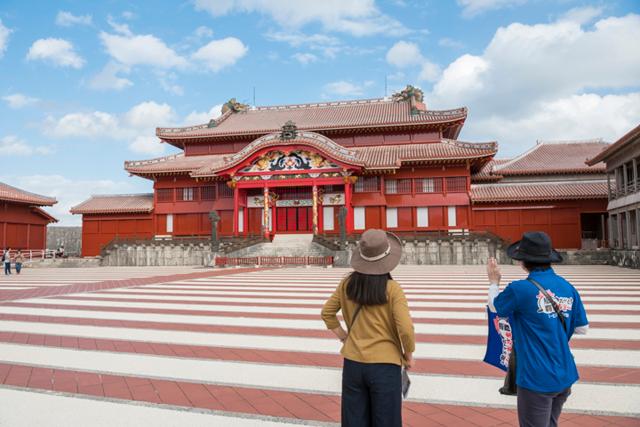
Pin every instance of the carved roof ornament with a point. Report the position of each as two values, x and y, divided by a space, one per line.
212 123
414 96
234 106
289 131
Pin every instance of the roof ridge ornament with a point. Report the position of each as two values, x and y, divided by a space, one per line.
289 131
234 106
413 95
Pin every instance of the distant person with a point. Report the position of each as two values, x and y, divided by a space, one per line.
545 369
380 338
19 259
6 260
60 252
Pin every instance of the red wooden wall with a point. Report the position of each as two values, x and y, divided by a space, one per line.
98 230
21 227
561 220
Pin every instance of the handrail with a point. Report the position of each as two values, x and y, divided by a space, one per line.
273 261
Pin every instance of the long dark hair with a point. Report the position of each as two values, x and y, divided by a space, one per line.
367 289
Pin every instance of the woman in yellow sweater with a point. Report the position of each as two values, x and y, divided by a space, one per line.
380 339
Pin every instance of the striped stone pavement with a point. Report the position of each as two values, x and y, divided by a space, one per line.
245 347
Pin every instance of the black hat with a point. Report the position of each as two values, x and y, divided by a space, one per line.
535 246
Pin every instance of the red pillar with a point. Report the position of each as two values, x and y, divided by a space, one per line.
236 205
265 217
347 204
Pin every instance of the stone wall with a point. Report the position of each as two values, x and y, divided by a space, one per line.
626 258
167 254
70 237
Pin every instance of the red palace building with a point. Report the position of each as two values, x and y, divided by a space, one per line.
392 163
23 222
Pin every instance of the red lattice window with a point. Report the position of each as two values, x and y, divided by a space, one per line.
367 184
208 192
186 194
429 185
457 184
224 191
165 194
397 186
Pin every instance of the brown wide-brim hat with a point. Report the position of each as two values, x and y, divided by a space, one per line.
377 252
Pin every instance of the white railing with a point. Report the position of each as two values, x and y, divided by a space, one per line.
31 255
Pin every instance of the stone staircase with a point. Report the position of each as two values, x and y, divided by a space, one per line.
289 245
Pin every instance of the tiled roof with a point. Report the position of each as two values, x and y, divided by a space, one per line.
392 156
175 163
115 203
13 194
319 116
629 137
374 157
44 214
485 174
555 157
539 191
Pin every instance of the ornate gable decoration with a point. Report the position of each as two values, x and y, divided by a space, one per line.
289 131
234 106
298 160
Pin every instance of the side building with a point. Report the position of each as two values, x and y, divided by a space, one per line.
23 222
622 159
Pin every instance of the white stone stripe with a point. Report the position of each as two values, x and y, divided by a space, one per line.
162 291
284 343
39 408
453 291
616 399
318 301
422 314
301 324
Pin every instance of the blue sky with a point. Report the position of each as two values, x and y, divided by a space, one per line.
84 84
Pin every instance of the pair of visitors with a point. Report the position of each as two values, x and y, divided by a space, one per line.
19 259
6 261
383 340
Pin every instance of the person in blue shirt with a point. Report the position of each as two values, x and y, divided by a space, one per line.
545 368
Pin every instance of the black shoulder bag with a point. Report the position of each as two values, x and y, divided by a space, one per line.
353 321
510 388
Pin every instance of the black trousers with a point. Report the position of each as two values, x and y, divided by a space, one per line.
540 409
371 394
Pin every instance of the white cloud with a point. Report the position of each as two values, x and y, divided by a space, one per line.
129 49
203 32
573 117
11 145
472 8
200 117
58 52
547 81
108 79
304 58
357 17
67 19
146 144
19 100
344 88
85 125
297 39
404 54
148 115
451 43
524 64
136 126
69 192
582 15
168 84
128 15
218 54
4 38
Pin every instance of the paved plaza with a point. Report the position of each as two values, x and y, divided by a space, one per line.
244 347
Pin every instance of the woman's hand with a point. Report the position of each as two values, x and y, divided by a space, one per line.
493 271
408 361
340 333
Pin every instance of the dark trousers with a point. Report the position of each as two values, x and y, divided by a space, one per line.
18 267
7 268
371 394
540 409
